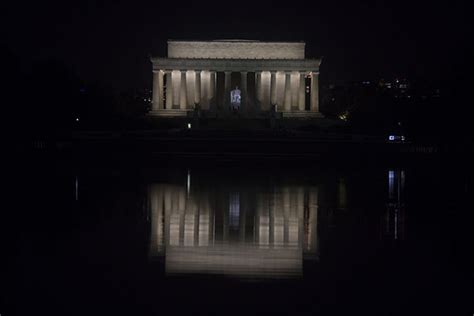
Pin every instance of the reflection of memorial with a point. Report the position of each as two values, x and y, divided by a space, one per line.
234 231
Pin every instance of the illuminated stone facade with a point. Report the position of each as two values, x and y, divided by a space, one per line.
272 76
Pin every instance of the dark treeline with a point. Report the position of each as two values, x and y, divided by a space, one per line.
46 99
433 111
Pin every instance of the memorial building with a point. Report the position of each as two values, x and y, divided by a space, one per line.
227 77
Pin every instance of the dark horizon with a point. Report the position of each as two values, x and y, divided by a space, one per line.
111 43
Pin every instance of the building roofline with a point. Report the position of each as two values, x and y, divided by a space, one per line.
235 41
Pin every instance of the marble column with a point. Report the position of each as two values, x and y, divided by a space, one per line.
197 87
227 89
286 214
294 90
212 89
287 91
157 90
243 83
314 92
265 82
205 82
258 89
183 95
301 92
169 90
273 95
176 82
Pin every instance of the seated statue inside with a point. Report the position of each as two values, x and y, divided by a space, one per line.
235 99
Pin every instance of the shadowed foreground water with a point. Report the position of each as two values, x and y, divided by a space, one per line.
233 240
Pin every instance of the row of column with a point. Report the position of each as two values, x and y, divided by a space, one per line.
285 217
203 90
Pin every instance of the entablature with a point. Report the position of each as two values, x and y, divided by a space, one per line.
236 65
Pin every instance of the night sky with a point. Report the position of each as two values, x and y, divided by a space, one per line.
109 41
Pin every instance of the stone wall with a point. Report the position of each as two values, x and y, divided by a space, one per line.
236 50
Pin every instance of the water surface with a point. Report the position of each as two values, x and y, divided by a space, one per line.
227 239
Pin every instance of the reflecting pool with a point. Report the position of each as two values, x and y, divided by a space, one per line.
207 239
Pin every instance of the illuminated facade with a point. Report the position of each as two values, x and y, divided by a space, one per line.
272 76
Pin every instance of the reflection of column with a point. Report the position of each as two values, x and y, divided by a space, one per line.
300 213
243 83
312 238
287 92
197 87
174 216
212 224
301 92
263 223
169 90
182 94
273 85
276 209
204 226
157 214
243 218
181 197
225 221
293 223
227 89
271 217
286 213
264 231
314 92
157 90
189 223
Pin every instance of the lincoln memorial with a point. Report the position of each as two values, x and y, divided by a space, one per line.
226 77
